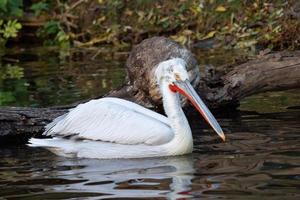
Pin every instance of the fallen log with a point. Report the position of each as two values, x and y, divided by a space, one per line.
18 124
271 72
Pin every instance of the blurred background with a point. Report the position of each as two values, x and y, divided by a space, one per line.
58 52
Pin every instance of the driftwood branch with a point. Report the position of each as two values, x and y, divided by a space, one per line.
272 72
277 71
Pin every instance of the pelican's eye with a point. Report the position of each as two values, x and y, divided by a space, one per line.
177 77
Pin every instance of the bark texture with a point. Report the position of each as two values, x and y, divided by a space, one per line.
18 124
271 72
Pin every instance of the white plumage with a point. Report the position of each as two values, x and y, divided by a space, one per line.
93 120
115 128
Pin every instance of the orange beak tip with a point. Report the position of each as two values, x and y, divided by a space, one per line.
223 137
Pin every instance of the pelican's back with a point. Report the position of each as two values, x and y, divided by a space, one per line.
112 120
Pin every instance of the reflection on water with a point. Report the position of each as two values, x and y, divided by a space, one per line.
37 173
271 101
259 160
38 77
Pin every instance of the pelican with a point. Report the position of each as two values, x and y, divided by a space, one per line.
109 127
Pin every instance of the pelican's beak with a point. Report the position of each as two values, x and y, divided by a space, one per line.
187 90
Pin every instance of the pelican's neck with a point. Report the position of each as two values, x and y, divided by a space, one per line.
178 121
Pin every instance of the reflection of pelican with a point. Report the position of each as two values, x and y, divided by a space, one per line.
115 128
152 177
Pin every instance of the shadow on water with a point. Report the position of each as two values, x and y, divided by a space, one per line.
260 159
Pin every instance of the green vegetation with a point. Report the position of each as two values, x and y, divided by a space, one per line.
9 27
11 8
39 7
228 23
53 33
13 74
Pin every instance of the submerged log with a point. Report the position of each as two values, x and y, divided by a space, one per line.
271 72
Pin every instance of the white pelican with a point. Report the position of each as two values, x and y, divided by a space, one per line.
110 128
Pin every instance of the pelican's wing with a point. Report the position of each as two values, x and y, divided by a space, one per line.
113 120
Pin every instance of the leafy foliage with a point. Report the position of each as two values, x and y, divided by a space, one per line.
226 23
9 27
229 23
53 34
11 8
39 7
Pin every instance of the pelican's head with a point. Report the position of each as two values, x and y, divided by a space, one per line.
173 73
171 70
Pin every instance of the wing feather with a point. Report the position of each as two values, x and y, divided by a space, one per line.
113 120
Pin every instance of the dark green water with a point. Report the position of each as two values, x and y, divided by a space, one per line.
259 160
45 77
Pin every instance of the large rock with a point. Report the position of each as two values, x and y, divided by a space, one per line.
143 60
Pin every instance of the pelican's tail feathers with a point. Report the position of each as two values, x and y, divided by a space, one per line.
57 146
35 142
49 127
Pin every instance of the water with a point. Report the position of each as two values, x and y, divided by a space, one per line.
43 77
259 160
